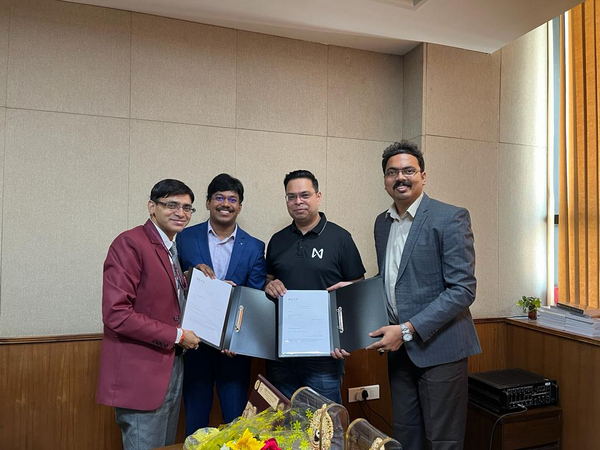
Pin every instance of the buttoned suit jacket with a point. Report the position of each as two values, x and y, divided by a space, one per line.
436 282
247 265
141 313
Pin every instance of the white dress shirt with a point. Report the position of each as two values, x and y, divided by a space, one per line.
220 251
393 254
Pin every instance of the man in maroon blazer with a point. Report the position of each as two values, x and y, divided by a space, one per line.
141 371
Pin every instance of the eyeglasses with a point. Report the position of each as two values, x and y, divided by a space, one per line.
408 172
220 199
291 198
174 206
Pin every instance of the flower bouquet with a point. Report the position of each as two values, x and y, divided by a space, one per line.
312 422
264 431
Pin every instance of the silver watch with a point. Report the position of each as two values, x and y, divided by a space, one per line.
407 335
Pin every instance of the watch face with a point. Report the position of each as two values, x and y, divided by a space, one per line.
407 337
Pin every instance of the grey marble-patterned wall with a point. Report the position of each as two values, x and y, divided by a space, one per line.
96 105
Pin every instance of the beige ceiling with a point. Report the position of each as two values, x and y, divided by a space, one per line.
389 26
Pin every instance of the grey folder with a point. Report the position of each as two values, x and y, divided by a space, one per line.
251 324
354 311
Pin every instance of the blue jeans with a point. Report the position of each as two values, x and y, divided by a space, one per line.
145 430
322 374
204 368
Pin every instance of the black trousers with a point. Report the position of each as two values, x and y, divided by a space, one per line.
429 404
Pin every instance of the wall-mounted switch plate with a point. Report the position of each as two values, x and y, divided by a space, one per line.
356 394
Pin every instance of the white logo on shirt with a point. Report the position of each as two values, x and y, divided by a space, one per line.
318 253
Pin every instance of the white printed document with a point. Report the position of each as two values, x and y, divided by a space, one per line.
304 324
206 308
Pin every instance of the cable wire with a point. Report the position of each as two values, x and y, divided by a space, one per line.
365 396
500 419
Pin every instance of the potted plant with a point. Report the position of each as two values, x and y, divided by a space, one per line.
530 306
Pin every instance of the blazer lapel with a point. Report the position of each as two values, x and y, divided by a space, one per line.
203 244
238 249
384 234
413 234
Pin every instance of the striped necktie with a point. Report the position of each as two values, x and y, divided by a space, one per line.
177 268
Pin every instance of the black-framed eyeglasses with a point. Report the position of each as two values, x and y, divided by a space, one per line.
221 198
174 206
290 198
408 172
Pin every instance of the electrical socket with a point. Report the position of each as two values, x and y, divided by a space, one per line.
355 394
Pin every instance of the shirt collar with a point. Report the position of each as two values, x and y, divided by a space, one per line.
211 230
168 243
411 211
318 229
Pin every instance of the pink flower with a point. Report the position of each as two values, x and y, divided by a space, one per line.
271 444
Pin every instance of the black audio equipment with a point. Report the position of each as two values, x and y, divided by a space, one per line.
509 390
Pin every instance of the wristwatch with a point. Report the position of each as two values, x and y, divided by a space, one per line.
407 335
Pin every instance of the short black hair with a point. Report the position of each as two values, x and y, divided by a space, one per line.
406 147
168 187
301 174
225 182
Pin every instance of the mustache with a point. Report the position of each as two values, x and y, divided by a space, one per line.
224 208
402 183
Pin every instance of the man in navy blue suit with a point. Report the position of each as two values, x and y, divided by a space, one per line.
220 249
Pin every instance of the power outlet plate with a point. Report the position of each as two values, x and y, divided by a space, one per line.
355 394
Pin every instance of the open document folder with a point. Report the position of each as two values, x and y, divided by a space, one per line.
313 323
240 319
302 323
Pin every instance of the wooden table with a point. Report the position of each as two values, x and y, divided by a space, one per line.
537 428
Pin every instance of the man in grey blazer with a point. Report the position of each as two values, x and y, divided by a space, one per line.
426 256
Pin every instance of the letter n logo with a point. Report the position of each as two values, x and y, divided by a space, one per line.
318 253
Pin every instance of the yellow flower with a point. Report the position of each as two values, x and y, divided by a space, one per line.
246 442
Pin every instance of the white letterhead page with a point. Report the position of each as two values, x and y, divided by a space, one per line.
206 307
305 328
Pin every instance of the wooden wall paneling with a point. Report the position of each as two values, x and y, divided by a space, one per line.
492 336
48 398
575 364
48 390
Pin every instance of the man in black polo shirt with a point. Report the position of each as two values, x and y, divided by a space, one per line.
309 254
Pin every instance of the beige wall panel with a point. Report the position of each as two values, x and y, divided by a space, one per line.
465 173
190 153
2 166
412 109
420 141
524 95
4 27
355 191
75 182
522 224
182 72
463 91
281 84
364 94
262 160
70 58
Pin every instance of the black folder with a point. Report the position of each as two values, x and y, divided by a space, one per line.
251 324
